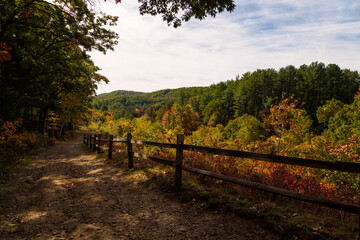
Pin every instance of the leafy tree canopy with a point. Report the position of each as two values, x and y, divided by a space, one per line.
174 12
44 65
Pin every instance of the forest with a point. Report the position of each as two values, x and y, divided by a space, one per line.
309 112
47 78
45 68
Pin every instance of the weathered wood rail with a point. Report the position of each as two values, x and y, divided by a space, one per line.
95 142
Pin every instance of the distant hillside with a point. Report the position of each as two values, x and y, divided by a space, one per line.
119 93
253 93
121 103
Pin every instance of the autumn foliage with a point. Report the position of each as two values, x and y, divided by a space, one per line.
284 130
4 52
14 144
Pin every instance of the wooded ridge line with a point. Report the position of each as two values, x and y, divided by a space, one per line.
95 143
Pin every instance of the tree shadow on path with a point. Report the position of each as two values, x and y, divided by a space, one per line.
69 193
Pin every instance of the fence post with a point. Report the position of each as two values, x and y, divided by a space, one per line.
99 144
87 140
130 151
90 142
94 143
84 138
179 160
110 146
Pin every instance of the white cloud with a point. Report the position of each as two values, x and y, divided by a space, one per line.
264 34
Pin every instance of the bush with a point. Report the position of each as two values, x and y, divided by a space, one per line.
15 144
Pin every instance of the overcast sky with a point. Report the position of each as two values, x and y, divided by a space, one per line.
262 34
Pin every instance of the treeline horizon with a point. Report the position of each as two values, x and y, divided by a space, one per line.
253 93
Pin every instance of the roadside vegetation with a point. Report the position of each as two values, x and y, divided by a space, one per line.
251 114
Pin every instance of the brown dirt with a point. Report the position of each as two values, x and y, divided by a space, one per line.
70 193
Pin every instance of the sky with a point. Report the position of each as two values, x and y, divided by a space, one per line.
259 34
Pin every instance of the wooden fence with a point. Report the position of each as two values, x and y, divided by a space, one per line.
95 142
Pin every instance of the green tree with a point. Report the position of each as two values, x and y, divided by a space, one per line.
214 113
151 113
343 120
189 120
328 111
174 12
245 129
318 83
49 42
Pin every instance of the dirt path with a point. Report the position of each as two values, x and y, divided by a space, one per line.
69 193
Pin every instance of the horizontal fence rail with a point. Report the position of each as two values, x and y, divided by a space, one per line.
165 145
280 191
119 141
155 159
95 143
338 166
